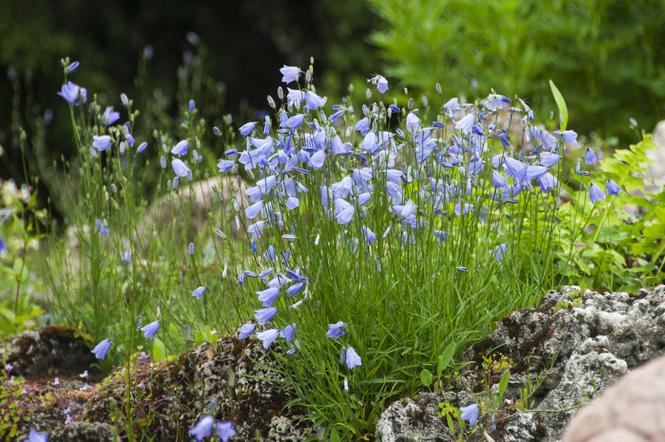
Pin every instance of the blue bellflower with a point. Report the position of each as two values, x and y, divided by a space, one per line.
73 93
471 413
109 116
267 337
180 168
612 188
247 128
336 330
268 296
380 82
265 315
350 358
289 73
203 428
150 330
225 430
198 292
246 330
288 332
181 148
74 65
596 194
102 142
36 436
101 349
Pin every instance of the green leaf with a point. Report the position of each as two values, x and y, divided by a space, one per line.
334 436
503 384
445 358
561 104
426 377
158 350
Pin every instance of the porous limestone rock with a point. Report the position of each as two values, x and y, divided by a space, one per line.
572 347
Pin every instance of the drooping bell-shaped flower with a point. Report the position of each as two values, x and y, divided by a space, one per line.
380 82
288 332
451 107
150 330
466 124
181 148
73 93
246 330
264 315
596 194
351 358
268 296
225 431
336 330
202 428
247 128
181 169
568 136
109 116
343 211
289 73
471 413
198 292
101 349
102 142
612 188
267 337
313 101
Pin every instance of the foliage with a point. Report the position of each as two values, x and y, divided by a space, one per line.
14 415
416 228
19 235
591 49
617 244
434 250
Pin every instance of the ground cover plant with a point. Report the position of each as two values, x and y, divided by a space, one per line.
367 244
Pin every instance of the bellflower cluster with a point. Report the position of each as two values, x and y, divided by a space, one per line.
473 161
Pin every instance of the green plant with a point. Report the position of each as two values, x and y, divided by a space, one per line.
617 243
20 221
588 47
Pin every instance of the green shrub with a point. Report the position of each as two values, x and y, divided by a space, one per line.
607 56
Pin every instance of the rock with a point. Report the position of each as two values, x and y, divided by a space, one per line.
655 174
47 352
413 420
568 350
233 380
83 432
198 200
631 410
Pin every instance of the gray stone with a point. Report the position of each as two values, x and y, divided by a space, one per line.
576 344
84 432
413 420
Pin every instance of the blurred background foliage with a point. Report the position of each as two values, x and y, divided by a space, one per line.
606 56
138 47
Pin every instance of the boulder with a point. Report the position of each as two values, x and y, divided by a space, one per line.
47 352
630 410
567 351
